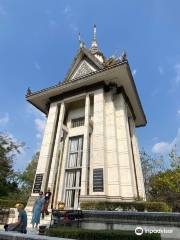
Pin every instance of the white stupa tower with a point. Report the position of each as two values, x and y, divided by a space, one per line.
89 149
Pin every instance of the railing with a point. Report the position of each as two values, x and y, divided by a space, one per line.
66 217
70 217
161 218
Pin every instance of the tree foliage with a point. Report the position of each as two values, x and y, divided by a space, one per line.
26 178
162 183
165 186
8 150
174 159
150 167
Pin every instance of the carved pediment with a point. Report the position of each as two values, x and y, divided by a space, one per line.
83 69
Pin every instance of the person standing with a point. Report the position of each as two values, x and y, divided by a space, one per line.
47 197
37 209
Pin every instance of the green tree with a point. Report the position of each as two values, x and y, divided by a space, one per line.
165 186
150 167
174 159
147 169
26 178
8 150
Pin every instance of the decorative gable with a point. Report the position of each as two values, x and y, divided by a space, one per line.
83 69
84 62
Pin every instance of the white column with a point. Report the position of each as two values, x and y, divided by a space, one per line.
55 158
111 147
137 160
61 187
84 172
126 169
47 144
98 148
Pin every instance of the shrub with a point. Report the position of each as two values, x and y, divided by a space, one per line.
9 203
86 234
125 206
157 207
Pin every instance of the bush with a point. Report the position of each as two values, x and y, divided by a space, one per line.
140 206
9 203
86 234
157 207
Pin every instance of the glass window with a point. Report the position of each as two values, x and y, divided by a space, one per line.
73 172
77 122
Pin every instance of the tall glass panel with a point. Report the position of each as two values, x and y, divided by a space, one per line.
73 172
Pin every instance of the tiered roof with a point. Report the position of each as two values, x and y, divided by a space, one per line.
91 67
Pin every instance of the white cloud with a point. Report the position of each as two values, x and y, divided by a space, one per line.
177 72
161 148
4 120
155 92
68 13
39 121
40 126
166 147
67 10
33 111
161 70
73 27
37 66
52 22
155 139
134 71
2 11
178 111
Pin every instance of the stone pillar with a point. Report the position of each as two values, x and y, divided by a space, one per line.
125 158
98 156
137 161
84 171
111 146
61 186
47 145
55 158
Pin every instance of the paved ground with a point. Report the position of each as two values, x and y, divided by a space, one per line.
32 234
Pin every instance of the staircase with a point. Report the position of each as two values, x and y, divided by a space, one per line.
46 221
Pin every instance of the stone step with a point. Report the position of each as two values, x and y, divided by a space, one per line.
45 221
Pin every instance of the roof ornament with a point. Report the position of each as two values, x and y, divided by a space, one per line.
123 56
81 43
29 92
94 47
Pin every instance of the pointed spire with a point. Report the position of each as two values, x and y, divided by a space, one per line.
29 92
94 46
80 42
94 33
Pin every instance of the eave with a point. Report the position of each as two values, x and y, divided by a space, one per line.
120 74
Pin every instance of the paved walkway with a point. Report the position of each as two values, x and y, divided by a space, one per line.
19 236
32 234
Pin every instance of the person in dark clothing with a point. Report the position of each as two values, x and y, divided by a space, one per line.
47 197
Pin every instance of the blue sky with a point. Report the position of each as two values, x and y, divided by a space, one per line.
38 40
